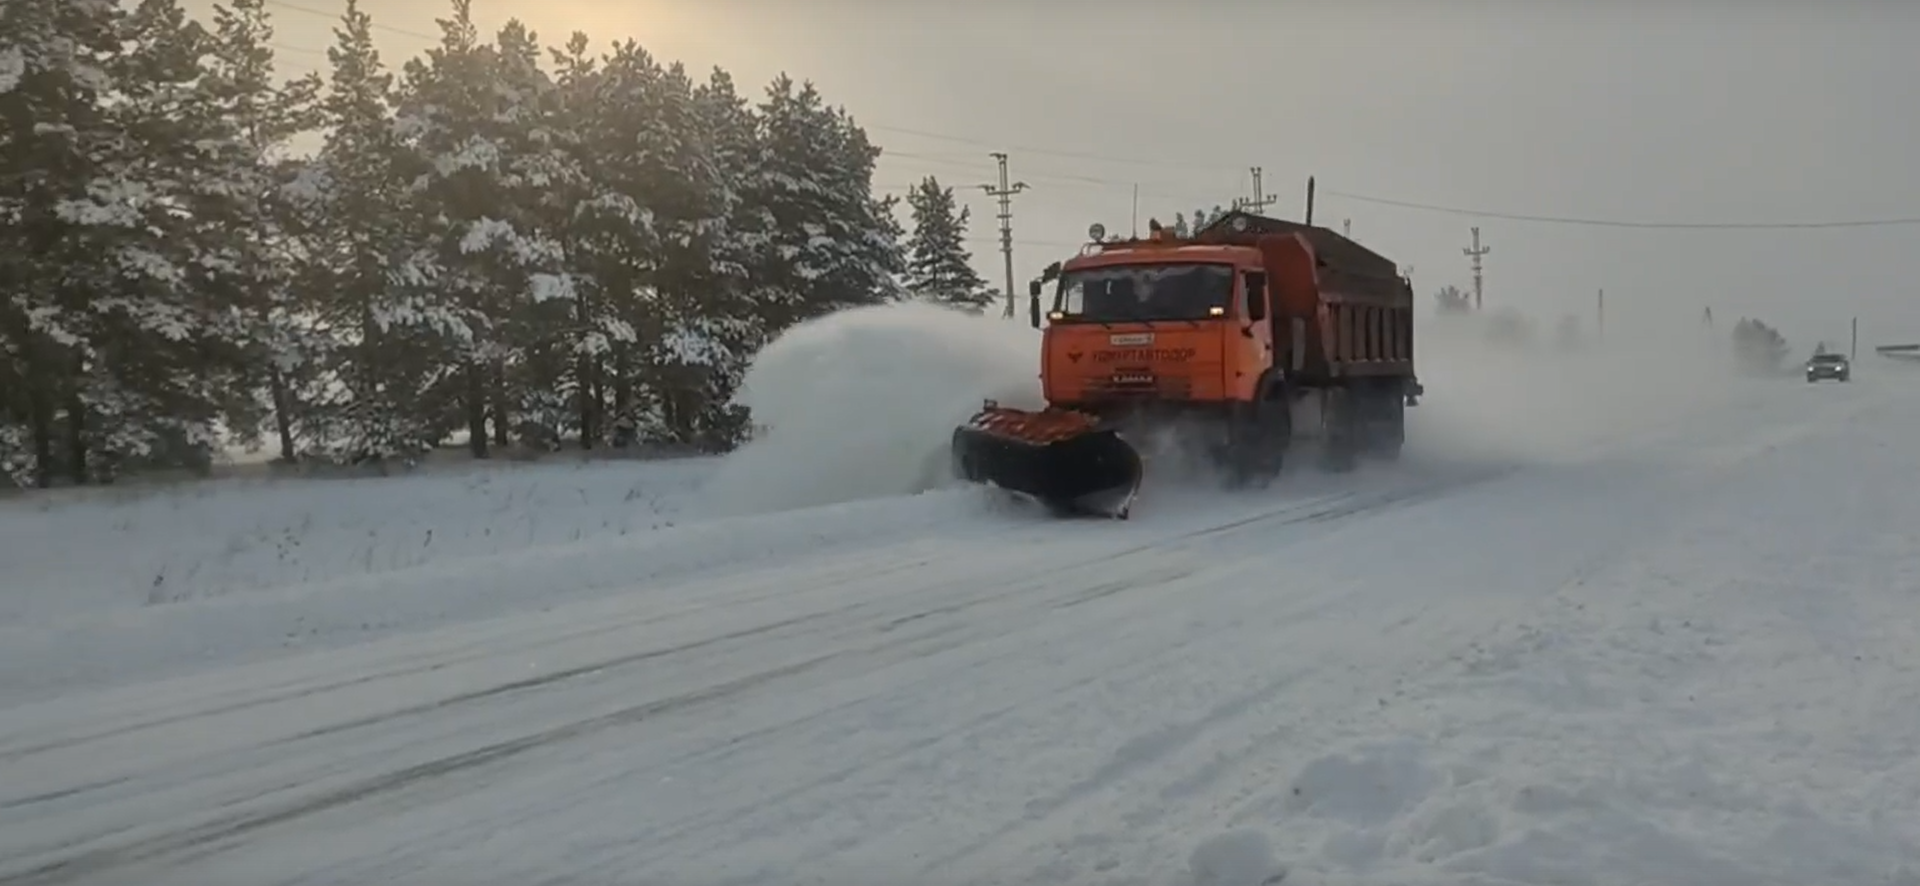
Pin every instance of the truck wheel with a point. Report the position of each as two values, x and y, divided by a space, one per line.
1386 414
1344 426
1257 440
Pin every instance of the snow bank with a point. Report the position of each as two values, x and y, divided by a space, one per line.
104 634
92 551
863 403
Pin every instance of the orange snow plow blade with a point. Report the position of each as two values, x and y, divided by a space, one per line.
1062 458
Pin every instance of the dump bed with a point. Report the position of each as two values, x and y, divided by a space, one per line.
1348 314
1345 267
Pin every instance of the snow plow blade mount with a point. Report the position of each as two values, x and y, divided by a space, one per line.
1062 458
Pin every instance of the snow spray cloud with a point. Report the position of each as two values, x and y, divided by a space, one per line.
862 404
1496 390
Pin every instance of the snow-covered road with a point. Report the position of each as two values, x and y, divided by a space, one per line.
1684 655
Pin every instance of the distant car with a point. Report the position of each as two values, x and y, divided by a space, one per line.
1833 366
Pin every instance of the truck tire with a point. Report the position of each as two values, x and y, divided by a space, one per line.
1385 423
1344 425
1258 434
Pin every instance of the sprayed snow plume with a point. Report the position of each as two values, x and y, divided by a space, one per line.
862 404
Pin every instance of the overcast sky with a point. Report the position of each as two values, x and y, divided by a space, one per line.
1635 111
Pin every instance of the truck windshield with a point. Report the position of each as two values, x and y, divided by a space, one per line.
1139 293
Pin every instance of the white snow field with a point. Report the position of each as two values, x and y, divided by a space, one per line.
1613 620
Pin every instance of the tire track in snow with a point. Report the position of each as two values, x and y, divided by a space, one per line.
306 688
884 623
1326 510
494 753
1034 593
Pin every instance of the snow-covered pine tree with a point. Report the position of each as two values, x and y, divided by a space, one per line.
126 340
358 244
691 355
480 253
540 179
586 337
57 185
939 266
264 113
619 230
834 245
166 360
738 305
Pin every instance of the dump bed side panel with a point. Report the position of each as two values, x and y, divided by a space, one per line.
1365 319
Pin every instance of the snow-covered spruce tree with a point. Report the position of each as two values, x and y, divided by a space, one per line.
939 267
832 244
282 344
362 268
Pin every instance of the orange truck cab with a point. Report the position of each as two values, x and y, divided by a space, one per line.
1249 318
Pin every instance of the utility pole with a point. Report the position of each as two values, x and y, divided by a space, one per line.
1346 228
1853 350
1475 253
1005 193
1706 317
1600 314
1260 200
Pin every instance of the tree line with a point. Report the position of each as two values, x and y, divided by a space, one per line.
517 242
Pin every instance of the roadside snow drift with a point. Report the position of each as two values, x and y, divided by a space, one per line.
863 403
90 550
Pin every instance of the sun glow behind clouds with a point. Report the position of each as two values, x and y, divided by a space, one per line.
670 29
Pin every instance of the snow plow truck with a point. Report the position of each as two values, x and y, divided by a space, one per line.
1242 337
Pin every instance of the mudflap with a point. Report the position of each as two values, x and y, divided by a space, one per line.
1062 459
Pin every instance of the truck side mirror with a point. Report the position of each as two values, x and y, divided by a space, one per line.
1256 287
1033 303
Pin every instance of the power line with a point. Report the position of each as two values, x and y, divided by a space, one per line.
1188 166
1618 223
1427 207
1050 152
337 16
